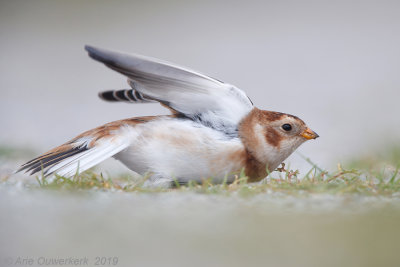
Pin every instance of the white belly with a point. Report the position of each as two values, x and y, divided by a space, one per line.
175 149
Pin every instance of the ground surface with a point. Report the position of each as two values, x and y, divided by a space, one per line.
345 218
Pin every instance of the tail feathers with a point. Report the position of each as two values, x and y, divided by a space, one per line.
86 160
87 149
125 95
46 161
74 157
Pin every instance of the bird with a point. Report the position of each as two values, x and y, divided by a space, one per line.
214 131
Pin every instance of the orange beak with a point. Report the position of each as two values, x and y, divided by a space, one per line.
309 134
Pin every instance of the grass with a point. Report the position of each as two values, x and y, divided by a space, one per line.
375 174
384 180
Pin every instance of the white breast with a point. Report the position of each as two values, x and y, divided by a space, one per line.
178 149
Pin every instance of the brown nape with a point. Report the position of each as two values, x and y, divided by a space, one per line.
268 116
255 169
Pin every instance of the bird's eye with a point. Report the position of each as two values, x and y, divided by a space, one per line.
287 127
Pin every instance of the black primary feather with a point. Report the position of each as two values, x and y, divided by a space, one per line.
124 95
48 160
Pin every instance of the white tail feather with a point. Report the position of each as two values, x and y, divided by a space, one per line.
85 160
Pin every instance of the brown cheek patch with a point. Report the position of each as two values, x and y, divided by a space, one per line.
273 137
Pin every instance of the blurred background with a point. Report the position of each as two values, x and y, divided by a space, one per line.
335 64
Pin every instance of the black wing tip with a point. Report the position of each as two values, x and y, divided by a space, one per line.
98 54
42 163
108 96
116 96
88 48
91 49
125 95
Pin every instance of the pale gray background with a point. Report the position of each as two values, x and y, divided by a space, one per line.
335 64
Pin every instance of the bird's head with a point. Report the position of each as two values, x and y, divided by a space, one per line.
272 136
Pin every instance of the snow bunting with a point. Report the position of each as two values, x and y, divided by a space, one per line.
214 130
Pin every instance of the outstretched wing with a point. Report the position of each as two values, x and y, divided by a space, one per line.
199 97
84 151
